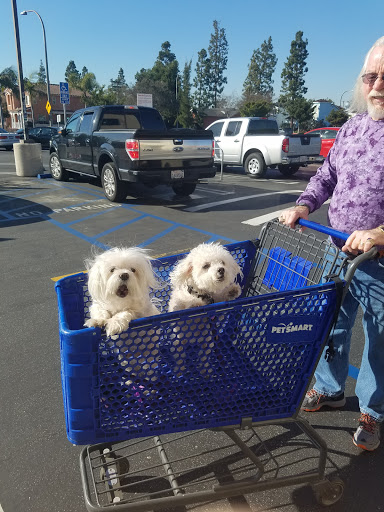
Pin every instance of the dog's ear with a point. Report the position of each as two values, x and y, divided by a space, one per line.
148 275
180 273
95 281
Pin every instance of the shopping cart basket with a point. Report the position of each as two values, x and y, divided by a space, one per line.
222 369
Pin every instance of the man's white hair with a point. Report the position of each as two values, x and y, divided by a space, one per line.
359 102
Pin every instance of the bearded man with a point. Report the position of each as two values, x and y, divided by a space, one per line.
353 176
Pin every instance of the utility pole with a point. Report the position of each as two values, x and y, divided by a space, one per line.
20 71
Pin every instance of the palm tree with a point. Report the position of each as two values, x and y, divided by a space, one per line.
31 85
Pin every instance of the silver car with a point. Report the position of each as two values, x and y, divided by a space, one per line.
7 140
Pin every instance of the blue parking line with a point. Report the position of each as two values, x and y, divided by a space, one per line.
159 235
115 228
90 239
90 216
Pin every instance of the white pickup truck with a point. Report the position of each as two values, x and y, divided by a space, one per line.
255 143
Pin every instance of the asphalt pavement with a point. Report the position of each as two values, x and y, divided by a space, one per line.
47 230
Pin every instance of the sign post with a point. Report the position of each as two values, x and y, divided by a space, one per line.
64 98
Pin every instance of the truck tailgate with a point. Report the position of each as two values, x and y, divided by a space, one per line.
304 145
176 148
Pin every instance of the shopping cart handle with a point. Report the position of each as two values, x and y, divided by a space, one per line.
323 229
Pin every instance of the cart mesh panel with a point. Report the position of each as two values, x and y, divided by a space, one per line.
288 259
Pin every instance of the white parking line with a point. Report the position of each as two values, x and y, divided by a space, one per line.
262 219
236 199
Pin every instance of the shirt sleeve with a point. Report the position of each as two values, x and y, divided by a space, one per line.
322 184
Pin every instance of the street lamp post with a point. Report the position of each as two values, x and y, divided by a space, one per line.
24 13
20 72
342 97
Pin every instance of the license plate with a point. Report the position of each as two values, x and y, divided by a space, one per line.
176 175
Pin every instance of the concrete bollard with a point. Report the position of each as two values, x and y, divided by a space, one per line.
28 158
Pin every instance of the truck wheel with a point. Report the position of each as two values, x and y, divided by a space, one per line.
57 170
289 170
184 189
255 166
114 189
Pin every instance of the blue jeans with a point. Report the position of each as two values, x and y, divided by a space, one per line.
366 290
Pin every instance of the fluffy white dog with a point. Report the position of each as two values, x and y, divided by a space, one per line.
206 275
119 282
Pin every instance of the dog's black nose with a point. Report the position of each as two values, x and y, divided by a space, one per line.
221 271
124 277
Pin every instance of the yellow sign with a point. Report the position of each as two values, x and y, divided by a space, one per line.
48 107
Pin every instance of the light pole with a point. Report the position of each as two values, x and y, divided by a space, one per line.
24 123
24 13
342 96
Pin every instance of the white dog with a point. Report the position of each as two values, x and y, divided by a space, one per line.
119 282
206 275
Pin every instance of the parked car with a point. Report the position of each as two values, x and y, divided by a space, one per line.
255 144
7 140
328 136
123 144
42 134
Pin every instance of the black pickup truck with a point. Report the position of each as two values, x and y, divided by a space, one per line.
124 143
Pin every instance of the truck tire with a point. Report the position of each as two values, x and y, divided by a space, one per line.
57 170
289 170
183 188
114 189
255 165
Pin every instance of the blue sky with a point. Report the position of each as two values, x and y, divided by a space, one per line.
107 35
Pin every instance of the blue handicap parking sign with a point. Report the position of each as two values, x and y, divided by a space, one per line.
64 93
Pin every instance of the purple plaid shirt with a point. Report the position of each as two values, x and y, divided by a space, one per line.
353 174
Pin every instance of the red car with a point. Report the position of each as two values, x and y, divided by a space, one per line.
328 136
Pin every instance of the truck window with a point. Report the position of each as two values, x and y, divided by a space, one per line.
72 124
262 127
233 128
120 121
152 120
86 123
216 129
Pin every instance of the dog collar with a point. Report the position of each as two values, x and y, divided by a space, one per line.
205 297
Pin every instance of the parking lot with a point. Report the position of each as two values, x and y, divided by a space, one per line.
47 230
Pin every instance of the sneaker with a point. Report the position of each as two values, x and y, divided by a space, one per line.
314 401
367 436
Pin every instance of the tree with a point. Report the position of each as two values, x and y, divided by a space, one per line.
119 87
184 98
160 81
41 74
8 80
84 71
72 76
88 87
293 87
33 86
302 110
201 97
218 58
337 117
260 70
259 108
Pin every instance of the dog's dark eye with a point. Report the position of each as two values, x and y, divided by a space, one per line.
112 269
133 270
206 266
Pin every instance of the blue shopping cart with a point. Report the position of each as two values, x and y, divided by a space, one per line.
223 369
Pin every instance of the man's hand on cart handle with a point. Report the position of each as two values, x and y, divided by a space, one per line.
292 215
364 240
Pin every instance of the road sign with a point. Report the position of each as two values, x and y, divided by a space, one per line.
48 107
64 93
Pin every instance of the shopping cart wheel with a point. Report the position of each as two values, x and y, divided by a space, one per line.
329 492
110 472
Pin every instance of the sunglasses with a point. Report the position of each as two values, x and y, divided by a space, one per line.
370 78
